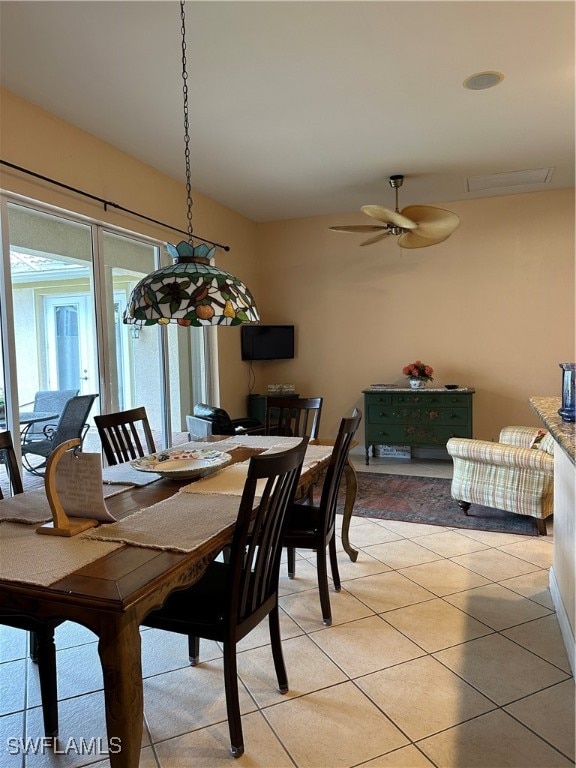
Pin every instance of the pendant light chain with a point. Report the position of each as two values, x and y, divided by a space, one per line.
192 291
186 124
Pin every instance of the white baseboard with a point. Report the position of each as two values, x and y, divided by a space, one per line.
565 628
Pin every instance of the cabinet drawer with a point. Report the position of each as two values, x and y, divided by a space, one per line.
413 434
431 398
377 399
408 414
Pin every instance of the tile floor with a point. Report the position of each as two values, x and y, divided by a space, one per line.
444 651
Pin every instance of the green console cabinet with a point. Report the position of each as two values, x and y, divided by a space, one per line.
418 418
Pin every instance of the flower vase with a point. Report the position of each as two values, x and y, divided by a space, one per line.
417 383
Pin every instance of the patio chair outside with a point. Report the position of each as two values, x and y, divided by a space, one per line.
72 425
47 401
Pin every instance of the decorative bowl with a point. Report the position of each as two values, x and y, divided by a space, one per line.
183 463
451 386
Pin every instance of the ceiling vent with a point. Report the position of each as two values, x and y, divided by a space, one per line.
508 179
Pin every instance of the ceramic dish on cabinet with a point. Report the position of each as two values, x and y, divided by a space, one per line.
183 463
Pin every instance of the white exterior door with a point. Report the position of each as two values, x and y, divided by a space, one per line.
70 348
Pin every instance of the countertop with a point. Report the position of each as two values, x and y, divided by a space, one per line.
399 388
564 432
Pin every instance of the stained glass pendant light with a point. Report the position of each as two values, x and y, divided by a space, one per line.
191 291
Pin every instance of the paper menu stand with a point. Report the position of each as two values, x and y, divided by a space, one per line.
73 483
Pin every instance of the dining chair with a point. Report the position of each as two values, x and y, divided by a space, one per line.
42 648
124 435
9 460
72 425
234 596
311 526
293 416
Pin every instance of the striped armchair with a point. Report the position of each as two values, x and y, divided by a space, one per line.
515 474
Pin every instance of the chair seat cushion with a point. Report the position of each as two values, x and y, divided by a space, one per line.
39 447
304 520
203 609
202 604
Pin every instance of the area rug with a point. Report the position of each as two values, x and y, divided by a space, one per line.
428 500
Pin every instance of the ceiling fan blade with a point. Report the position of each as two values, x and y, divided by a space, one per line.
376 239
359 228
432 222
389 217
414 240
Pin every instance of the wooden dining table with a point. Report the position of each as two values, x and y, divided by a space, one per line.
113 594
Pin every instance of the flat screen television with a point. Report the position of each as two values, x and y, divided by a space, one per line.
267 342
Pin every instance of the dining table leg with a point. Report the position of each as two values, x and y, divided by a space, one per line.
351 481
120 656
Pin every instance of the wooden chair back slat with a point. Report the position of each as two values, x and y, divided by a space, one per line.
125 435
294 416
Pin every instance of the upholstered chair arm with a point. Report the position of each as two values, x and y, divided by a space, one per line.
521 436
198 428
486 452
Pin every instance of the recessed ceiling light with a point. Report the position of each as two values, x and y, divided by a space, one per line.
482 80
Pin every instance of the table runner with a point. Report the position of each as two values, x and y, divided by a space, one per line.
263 441
32 507
180 523
27 557
231 479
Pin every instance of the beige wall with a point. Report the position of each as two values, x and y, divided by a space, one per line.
492 307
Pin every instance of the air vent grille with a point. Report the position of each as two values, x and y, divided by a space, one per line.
509 179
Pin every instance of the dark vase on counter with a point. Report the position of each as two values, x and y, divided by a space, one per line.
568 410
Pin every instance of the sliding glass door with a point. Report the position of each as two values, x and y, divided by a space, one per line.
135 361
52 293
67 284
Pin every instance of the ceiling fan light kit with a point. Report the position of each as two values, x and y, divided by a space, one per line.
417 226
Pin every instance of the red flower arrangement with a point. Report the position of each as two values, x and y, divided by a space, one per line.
418 370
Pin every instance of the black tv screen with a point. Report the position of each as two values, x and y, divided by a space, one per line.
267 342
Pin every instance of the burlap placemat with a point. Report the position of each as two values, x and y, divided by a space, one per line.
315 454
28 557
30 507
181 523
229 481
125 473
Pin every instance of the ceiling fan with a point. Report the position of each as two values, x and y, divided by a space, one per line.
418 225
